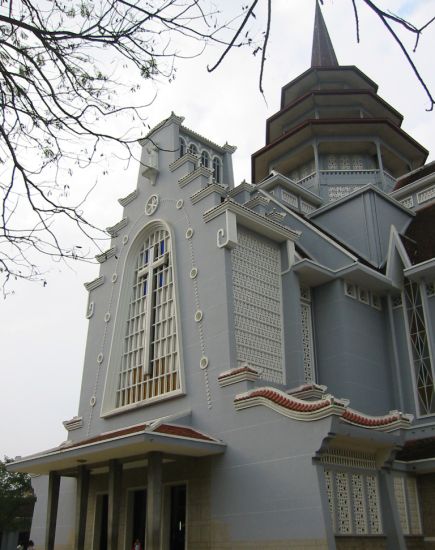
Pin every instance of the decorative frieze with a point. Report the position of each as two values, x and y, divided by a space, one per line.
362 295
426 195
336 192
408 202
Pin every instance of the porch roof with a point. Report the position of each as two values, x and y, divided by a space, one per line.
126 443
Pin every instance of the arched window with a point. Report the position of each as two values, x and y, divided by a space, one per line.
193 149
217 169
182 147
205 159
149 362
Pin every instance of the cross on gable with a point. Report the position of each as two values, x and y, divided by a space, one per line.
150 275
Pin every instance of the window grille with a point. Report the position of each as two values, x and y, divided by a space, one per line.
182 147
419 344
217 170
193 149
205 159
150 362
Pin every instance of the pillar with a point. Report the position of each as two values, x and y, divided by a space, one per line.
154 501
52 505
81 507
115 480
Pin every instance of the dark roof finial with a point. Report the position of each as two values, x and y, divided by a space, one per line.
322 54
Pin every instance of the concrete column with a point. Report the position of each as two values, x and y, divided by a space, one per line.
81 507
380 166
317 165
115 480
154 501
53 501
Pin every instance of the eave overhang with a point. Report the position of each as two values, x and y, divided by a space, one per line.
423 271
251 220
278 179
313 76
363 128
119 445
330 98
314 274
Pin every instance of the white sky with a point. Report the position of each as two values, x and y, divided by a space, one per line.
43 330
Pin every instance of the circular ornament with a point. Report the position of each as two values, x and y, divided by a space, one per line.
125 239
198 315
152 204
114 278
203 363
100 358
193 273
179 204
92 401
189 233
107 317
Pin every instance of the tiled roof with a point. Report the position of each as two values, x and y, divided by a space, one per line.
167 429
300 409
239 370
360 419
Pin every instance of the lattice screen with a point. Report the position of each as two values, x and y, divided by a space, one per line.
257 304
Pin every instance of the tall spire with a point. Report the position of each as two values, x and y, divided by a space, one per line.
322 54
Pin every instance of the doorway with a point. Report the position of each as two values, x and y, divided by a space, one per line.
138 517
177 522
101 522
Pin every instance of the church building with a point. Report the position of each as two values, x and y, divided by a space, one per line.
260 362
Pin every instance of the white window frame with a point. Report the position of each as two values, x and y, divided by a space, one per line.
109 403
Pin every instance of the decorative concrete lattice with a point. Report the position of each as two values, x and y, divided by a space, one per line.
306 207
407 202
339 191
353 495
289 198
257 305
426 195
343 503
373 505
307 335
329 480
358 502
413 506
150 363
399 493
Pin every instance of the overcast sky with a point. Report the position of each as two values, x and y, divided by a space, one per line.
43 330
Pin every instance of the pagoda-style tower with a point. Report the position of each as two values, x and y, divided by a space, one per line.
333 133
